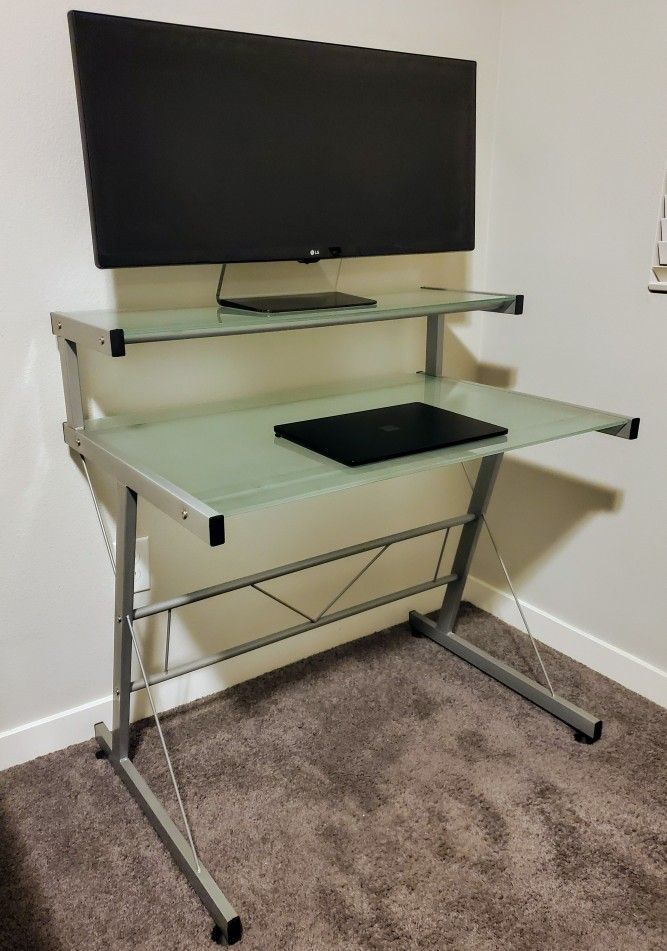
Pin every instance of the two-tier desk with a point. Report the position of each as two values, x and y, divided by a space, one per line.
200 465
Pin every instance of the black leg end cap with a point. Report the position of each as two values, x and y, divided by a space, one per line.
234 932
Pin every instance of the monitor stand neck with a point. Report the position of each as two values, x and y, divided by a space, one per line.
285 303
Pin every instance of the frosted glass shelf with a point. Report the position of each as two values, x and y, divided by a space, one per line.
226 457
111 331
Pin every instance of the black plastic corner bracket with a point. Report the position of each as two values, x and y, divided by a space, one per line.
518 305
589 740
629 430
117 341
216 530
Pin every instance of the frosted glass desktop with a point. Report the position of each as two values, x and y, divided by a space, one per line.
191 448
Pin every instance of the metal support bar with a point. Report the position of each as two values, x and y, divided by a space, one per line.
442 552
210 895
568 712
285 604
163 743
249 580
69 365
435 342
349 584
486 478
442 630
291 632
126 538
105 534
514 595
167 641
115 743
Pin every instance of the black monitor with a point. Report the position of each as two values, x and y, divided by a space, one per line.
211 146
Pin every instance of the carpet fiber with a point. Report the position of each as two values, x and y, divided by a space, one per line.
381 795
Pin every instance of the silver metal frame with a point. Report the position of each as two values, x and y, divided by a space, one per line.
584 723
115 742
588 726
220 910
273 638
111 342
209 525
202 594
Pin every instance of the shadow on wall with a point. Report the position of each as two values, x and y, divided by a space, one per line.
461 362
560 503
194 286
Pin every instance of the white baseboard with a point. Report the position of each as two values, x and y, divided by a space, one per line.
619 665
56 732
31 740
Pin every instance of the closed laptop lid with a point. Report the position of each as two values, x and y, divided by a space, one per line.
385 433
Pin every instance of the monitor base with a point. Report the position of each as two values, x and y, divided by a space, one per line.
285 303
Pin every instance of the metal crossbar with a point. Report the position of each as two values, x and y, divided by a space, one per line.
213 591
291 607
253 581
285 604
273 638
322 618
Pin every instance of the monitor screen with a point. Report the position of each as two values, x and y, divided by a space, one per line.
209 146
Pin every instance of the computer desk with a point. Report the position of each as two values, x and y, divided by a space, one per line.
201 465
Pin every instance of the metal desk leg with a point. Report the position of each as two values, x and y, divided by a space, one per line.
442 630
114 743
126 540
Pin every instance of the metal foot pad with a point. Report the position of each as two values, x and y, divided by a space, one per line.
584 723
224 916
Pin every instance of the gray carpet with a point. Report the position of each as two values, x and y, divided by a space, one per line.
381 795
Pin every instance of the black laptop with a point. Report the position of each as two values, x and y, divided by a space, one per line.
376 434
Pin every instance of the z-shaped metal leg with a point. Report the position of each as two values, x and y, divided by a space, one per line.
588 727
114 743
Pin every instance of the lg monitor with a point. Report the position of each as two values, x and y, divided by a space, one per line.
211 146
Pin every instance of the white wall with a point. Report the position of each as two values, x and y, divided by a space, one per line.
574 130
579 157
56 591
